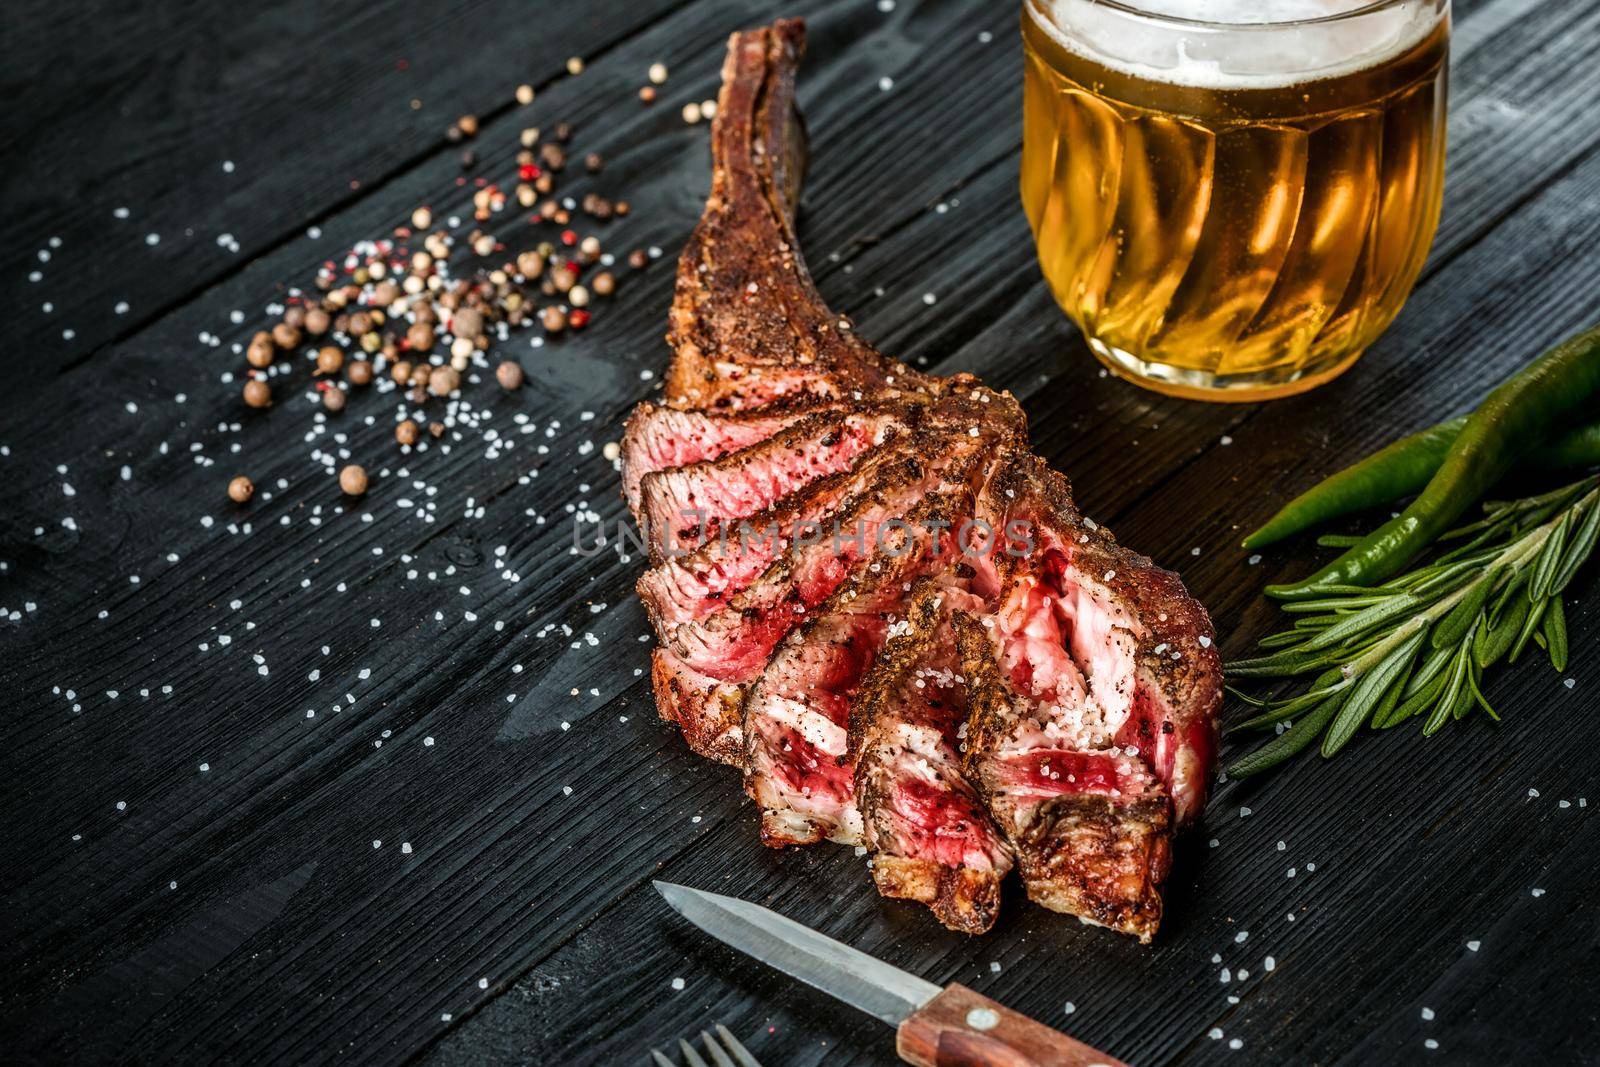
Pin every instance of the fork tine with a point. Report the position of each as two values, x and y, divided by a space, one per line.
715 1050
739 1052
659 1060
691 1058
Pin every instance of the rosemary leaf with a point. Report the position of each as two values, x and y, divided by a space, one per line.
1417 702
1454 627
1549 558
1369 692
1530 623
1492 642
1452 692
1287 744
1483 702
1583 542
1554 626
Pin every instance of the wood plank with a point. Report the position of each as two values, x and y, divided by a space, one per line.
205 120
291 935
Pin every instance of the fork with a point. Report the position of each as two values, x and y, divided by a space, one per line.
729 1053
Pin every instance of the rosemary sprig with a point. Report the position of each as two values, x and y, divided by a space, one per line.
1417 645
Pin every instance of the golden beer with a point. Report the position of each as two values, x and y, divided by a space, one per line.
1233 210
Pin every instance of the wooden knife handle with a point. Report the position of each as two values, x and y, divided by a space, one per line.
960 1028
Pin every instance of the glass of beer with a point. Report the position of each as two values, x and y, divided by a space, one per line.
1232 198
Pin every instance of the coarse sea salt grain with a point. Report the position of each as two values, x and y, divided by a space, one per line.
677 983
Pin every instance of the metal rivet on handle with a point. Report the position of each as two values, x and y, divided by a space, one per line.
983 1019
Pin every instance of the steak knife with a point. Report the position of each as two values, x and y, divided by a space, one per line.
949 1027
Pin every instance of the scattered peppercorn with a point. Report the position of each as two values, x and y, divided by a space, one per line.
400 373
603 284
406 432
257 393
638 259
578 296
691 112
261 352
285 335
420 336
509 375
524 95
333 399
575 65
647 94
317 321
436 429
593 162
658 73
241 489
353 480
329 360
359 371
554 319
468 125
443 381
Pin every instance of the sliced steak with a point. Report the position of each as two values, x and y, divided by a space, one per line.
735 641
1093 690
1144 647
1086 675
709 713
930 837
685 506
685 588
660 438
719 644
796 716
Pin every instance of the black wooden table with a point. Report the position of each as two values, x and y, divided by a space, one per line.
381 780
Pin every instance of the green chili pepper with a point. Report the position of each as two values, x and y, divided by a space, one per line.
1511 420
1402 469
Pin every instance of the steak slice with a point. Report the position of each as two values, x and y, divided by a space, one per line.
747 325
735 641
1093 690
660 438
686 588
931 839
796 716
709 713
687 505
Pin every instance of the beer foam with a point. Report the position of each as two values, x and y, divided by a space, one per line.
1244 44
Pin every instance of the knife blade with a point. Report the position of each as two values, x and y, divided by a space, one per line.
842 972
935 1027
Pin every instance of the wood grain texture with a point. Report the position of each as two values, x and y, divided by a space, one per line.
520 926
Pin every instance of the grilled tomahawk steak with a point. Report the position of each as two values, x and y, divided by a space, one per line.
875 602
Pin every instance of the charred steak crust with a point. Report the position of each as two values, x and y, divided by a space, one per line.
747 324
1053 710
